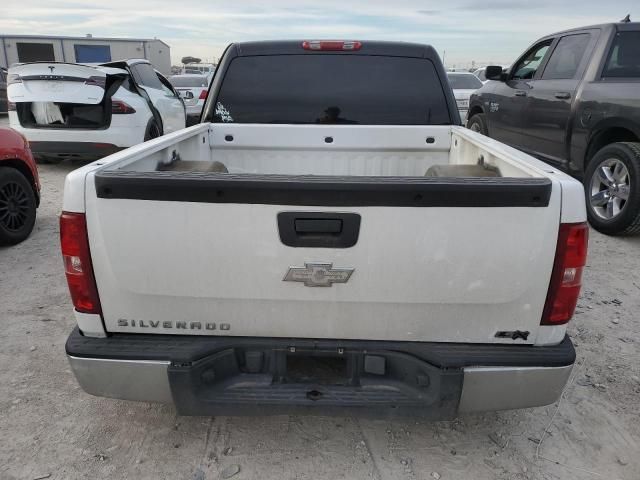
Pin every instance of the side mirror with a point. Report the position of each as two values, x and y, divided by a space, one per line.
494 72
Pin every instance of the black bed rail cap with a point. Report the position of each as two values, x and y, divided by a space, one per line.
319 190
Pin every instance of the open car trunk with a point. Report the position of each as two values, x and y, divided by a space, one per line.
60 95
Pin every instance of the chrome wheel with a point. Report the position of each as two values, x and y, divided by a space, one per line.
610 186
14 206
475 127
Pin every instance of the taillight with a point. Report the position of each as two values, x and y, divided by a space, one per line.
97 81
77 263
203 95
118 107
566 278
333 45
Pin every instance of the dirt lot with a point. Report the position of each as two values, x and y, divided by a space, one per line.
51 429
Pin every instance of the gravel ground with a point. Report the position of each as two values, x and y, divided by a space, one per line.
51 429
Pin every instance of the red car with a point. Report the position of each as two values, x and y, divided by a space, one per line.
19 187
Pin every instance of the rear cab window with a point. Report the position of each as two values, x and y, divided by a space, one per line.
623 60
332 89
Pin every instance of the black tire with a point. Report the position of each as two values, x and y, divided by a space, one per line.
17 206
478 123
152 131
627 219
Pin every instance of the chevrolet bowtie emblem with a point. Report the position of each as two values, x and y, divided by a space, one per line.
318 274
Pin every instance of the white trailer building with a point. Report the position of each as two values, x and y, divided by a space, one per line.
89 49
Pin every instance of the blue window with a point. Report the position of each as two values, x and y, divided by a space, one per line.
92 53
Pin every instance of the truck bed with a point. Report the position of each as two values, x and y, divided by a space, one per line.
434 258
386 151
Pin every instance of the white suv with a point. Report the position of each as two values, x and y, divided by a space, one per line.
90 111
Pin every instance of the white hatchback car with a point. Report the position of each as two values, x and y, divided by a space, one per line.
89 111
463 85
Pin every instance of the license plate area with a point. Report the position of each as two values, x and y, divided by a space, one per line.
317 369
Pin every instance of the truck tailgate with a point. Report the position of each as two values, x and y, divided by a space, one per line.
427 273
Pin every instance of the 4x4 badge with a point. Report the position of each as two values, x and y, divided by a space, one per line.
318 275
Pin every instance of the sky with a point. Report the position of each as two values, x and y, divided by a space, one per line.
463 31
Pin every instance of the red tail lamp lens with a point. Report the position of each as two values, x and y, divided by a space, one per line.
566 278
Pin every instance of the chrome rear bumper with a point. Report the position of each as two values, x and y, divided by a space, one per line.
506 388
141 380
483 388
206 376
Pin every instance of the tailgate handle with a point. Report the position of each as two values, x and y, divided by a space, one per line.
318 226
319 229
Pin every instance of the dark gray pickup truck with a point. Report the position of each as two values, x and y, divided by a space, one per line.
573 100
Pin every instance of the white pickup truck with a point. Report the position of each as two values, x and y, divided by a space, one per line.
328 239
